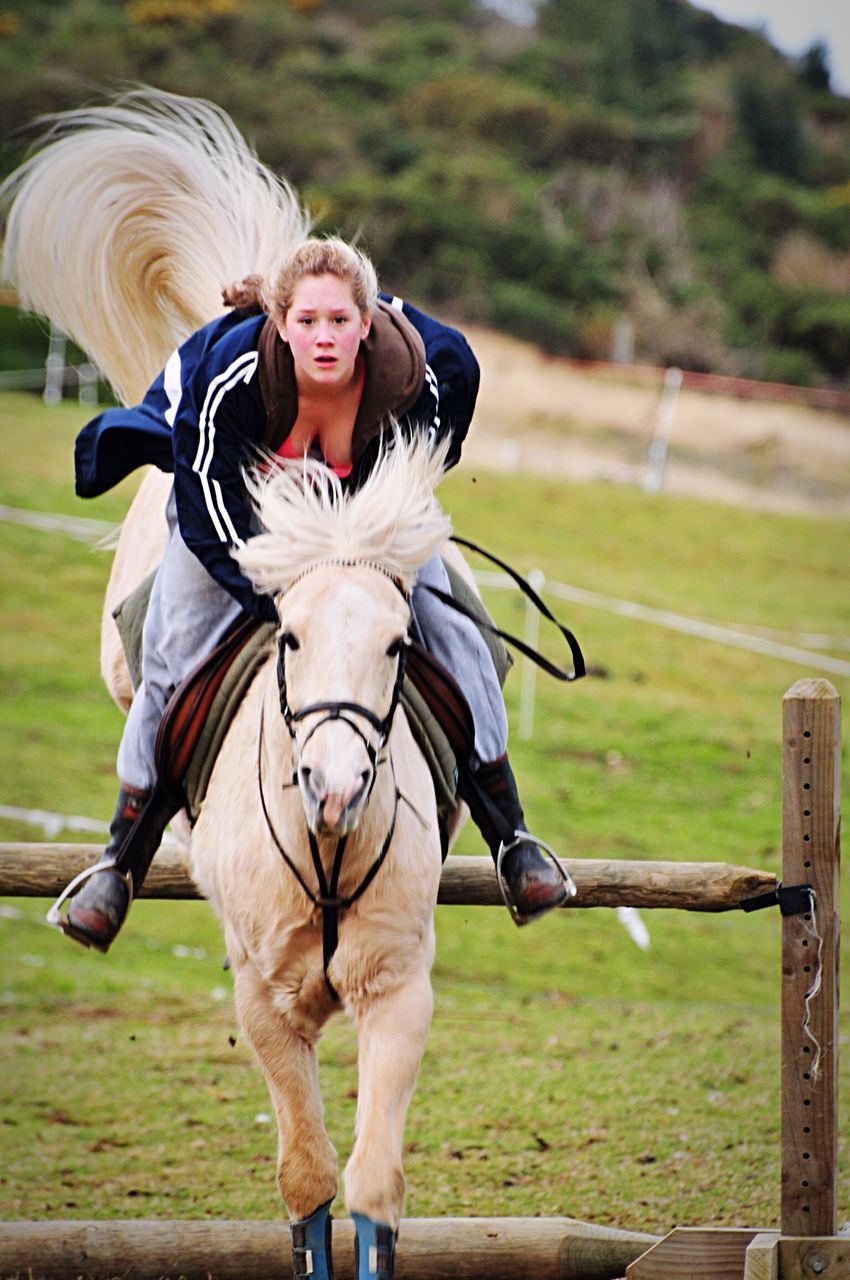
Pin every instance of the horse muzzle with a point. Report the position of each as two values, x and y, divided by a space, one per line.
333 805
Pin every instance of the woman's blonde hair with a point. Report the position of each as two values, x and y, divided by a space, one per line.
321 257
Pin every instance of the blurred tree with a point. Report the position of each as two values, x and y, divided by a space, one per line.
770 119
813 67
536 177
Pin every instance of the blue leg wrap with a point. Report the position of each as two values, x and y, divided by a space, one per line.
374 1249
311 1245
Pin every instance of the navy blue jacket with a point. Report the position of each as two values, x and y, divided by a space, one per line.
205 415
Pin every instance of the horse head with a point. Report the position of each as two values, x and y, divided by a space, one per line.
341 567
340 665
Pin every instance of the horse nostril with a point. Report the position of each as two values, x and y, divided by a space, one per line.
304 772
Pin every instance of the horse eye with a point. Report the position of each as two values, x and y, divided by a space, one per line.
395 648
289 640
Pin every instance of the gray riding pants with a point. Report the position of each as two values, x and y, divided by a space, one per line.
189 613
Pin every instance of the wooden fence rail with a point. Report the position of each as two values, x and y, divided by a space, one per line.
428 1249
43 870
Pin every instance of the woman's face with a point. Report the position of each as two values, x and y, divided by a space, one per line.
324 328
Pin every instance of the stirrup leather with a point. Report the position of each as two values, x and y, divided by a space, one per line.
59 921
520 837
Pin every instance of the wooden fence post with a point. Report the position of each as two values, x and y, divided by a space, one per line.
811 759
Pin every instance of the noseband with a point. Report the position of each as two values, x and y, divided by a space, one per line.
340 710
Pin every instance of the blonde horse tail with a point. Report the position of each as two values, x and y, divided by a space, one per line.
130 218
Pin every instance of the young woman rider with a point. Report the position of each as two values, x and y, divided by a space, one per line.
327 372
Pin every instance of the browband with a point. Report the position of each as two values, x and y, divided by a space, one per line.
355 563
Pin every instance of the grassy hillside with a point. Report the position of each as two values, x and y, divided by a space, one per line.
637 159
567 1072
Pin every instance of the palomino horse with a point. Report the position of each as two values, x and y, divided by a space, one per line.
341 569
122 230
332 757
319 762
327 770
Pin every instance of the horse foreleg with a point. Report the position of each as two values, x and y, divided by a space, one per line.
307 1162
392 1030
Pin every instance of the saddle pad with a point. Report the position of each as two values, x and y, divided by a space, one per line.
427 732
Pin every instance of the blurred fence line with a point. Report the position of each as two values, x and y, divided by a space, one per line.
55 375
721 384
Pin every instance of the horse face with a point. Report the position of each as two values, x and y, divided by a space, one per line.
342 634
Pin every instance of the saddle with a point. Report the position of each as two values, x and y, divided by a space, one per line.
201 709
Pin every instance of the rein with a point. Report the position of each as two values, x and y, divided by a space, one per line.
579 668
327 898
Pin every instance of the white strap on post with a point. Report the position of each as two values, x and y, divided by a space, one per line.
657 458
54 379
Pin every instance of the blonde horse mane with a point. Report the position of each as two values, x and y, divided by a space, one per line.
127 222
393 520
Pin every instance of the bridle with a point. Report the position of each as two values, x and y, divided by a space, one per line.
327 898
339 710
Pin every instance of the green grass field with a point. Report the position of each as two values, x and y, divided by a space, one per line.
567 1071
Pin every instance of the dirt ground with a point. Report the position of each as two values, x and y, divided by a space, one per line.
546 415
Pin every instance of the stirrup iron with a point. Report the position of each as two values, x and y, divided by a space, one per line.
59 921
520 837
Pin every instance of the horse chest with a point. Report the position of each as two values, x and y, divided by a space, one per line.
288 963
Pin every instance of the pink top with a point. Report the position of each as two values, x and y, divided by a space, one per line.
287 450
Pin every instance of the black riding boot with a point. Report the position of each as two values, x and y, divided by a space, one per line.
535 884
98 911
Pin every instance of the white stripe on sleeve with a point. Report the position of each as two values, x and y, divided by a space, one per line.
433 387
173 386
242 370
